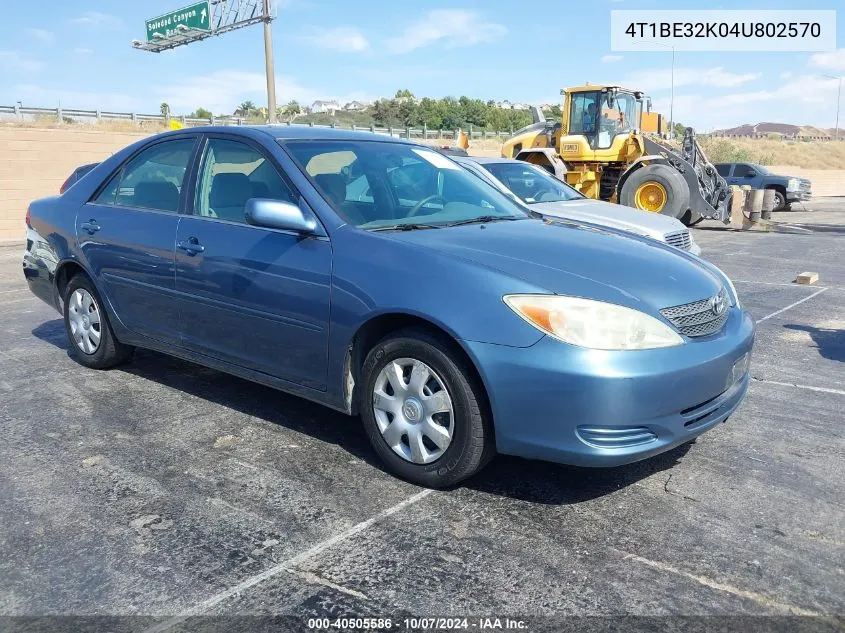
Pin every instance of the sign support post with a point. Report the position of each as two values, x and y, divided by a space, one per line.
268 65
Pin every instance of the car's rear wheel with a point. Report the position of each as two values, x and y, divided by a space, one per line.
92 341
423 410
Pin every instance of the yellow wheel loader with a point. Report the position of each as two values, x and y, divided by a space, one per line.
600 148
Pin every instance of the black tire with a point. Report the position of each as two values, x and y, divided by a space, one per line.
109 351
780 201
472 444
691 218
677 191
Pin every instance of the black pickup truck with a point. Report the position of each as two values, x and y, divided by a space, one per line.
788 189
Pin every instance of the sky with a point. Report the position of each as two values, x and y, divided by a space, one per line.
79 54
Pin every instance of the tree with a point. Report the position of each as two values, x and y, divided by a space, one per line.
290 110
386 112
201 113
246 108
164 108
409 113
404 94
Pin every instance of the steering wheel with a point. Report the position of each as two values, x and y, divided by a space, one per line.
419 205
539 195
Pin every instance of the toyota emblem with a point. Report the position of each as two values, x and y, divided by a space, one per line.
717 304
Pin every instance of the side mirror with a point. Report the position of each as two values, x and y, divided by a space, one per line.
750 173
276 214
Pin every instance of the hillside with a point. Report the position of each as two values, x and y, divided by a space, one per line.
783 129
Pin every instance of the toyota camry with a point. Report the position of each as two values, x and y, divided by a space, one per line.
379 278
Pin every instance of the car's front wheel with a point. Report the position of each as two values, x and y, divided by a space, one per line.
423 410
92 341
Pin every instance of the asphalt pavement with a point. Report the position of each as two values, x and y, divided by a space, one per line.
165 489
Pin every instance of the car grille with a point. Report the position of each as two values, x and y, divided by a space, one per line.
699 318
679 239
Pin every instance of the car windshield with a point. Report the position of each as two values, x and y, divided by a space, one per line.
383 185
531 184
761 170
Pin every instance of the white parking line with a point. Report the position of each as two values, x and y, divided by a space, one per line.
839 392
790 306
777 283
759 598
289 564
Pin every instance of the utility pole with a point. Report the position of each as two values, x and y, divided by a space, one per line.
672 99
838 99
268 64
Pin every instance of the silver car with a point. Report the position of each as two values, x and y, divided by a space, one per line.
552 197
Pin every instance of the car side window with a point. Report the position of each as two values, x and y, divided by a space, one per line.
743 171
724 170
151 180
231 173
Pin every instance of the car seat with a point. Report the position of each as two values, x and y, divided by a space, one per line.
228 196
163 196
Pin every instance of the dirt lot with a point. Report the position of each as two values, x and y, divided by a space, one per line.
164 489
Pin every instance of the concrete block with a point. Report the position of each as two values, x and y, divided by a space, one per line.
807 278
737 203
768 204
754 204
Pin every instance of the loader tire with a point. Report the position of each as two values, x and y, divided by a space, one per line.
658 189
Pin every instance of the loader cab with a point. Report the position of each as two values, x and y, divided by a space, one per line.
602 114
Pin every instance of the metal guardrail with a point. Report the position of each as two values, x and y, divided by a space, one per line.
60 114
774 136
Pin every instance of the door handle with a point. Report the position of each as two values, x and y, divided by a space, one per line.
192 246
90 226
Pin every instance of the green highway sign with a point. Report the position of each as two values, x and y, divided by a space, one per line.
196 16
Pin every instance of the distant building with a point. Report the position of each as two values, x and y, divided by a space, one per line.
354 106
507 105
325 106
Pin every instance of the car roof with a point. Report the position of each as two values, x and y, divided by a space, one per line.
292 132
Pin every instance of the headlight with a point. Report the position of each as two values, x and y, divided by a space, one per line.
793 184
593 324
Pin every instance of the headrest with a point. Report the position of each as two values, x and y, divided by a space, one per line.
161 195
229 190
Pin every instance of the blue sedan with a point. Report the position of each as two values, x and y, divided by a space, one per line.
377 277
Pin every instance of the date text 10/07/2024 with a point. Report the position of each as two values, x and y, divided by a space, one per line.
417 624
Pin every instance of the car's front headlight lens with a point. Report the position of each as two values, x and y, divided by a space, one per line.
793 184
593 324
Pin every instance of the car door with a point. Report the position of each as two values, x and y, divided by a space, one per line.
251 296
126 234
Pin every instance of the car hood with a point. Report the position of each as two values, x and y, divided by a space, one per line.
613 215
575 259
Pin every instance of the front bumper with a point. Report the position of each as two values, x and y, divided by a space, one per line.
565 404
798 196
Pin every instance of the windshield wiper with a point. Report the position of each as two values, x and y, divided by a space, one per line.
413 226
485 218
